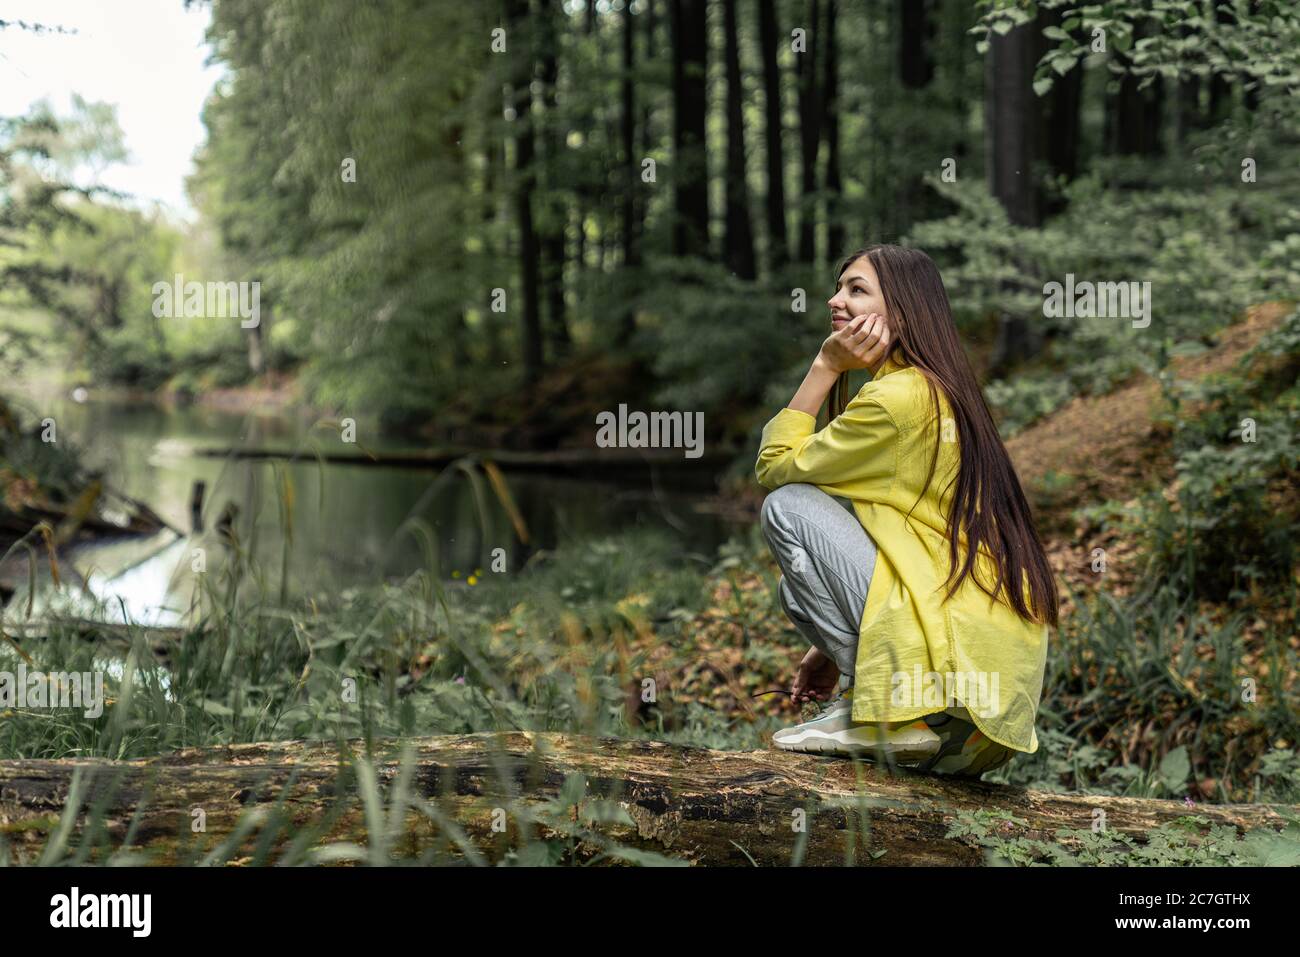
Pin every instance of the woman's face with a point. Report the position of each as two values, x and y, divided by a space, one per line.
857 294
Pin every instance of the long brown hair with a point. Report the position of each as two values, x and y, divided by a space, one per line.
988 506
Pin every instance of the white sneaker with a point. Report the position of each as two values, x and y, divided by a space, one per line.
835 732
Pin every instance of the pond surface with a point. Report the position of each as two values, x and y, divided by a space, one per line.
341 525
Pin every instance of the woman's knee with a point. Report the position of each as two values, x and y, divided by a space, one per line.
778 499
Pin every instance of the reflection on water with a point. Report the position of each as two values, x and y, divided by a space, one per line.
341 526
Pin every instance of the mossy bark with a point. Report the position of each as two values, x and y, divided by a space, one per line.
693 804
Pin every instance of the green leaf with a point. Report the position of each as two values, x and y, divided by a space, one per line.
1063 64
1270 849
1175 767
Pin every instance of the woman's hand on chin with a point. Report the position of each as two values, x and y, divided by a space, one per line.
862 343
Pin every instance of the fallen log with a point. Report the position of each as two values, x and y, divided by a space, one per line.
140 519
693 804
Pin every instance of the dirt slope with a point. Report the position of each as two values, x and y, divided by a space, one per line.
1102 443
1104 447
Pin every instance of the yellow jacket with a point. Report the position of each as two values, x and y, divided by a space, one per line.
914 649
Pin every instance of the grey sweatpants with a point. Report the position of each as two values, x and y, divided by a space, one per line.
826 560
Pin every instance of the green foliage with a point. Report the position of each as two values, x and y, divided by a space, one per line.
696 319
373 278
1226 530
1153 660
31 468
84 261
1206 249
1191 840
1256 44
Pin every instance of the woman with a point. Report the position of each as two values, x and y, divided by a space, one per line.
910 597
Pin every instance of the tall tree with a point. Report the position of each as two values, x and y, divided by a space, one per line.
834 185
494 173
810 124
648 126
778 248
915 33
690 108
525 180
1135 114
1135 117
739 230
1011 115
556 210
1061 121
631 168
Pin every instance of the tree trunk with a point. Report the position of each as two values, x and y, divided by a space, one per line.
631 167
494 171
1011 111
739 228
690 108
834 184
647 111
915 63
703 806
778 248
1135 116
1012 120
810 122
1220 106
1061 130
557 214
648 137
529 267
459 330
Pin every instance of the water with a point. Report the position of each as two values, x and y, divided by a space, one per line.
342 526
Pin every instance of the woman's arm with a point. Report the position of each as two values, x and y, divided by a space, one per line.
861 344
852 452
816 385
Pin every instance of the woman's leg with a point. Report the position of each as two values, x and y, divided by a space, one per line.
826 560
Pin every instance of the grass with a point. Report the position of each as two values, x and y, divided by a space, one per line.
566 645
1147 694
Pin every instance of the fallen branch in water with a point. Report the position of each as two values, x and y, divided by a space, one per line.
580 462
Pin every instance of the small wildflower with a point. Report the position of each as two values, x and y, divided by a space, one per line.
473 579
455 573
1188 801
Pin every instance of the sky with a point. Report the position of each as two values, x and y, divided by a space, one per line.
147 57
